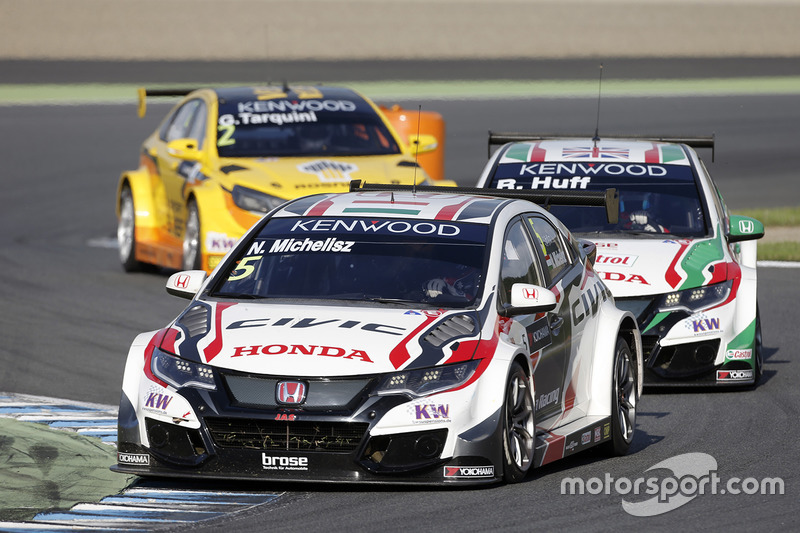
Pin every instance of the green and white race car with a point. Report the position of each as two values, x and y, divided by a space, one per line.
677 259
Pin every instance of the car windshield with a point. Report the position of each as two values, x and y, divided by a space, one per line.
654 198
282 128
383 261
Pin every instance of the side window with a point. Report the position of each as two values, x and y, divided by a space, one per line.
557 257
180 125
519 263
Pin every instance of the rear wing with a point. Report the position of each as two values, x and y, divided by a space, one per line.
608 198
497 138
143 93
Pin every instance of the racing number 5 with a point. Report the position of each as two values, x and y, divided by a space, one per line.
245 266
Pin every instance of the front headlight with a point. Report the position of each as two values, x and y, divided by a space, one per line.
425 381
180 372
252 200
696 299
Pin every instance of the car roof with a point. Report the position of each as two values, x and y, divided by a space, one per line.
402 204
580 150
287 92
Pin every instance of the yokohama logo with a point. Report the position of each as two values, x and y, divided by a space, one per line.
725 375
133 458
469 471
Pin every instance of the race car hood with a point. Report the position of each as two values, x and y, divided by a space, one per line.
289 177
648 266
311 341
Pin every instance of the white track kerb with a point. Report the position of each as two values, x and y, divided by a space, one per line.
690 475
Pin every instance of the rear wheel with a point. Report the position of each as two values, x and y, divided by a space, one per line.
126 232
192 253
518 426
623 400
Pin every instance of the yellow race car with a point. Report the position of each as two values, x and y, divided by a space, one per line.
224 157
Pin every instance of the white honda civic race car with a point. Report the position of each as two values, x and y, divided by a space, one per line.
675 258
389 334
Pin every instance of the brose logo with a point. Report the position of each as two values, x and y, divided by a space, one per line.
469 471
274 462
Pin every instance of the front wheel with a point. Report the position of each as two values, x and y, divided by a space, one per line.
192 253
518 426
623 400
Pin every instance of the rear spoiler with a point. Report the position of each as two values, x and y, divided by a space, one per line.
608 198
143 93
497 138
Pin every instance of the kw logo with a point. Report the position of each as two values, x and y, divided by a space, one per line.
432 411
706 324
158 401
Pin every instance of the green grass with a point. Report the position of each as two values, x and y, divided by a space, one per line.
779 251
775 216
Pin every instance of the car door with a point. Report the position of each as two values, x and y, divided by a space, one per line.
563 273
187 122
520 264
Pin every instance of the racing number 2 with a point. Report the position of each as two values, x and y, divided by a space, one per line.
225 137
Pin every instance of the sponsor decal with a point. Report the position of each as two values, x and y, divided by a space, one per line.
606 430
702 325
627 278
433 412
277 462
284 106
597 434
301 323
612 245
301 349
331 244
586 437
284 417
182 281
618 260
378 227
734 375
133 458
546 399
290 392
469 471
539 335
739 354
156 402
571 446
329 171
218 243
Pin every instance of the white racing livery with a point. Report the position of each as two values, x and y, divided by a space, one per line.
391 334
676 258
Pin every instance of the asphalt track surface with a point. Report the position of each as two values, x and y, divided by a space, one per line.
69 312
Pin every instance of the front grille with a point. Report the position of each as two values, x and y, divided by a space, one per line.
322 395
291 436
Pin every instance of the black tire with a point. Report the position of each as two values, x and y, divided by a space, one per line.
759 355
518 437
624 397
192 245
126 232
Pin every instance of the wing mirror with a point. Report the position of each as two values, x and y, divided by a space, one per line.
186 284
527 299
745 229
186 149
423 143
